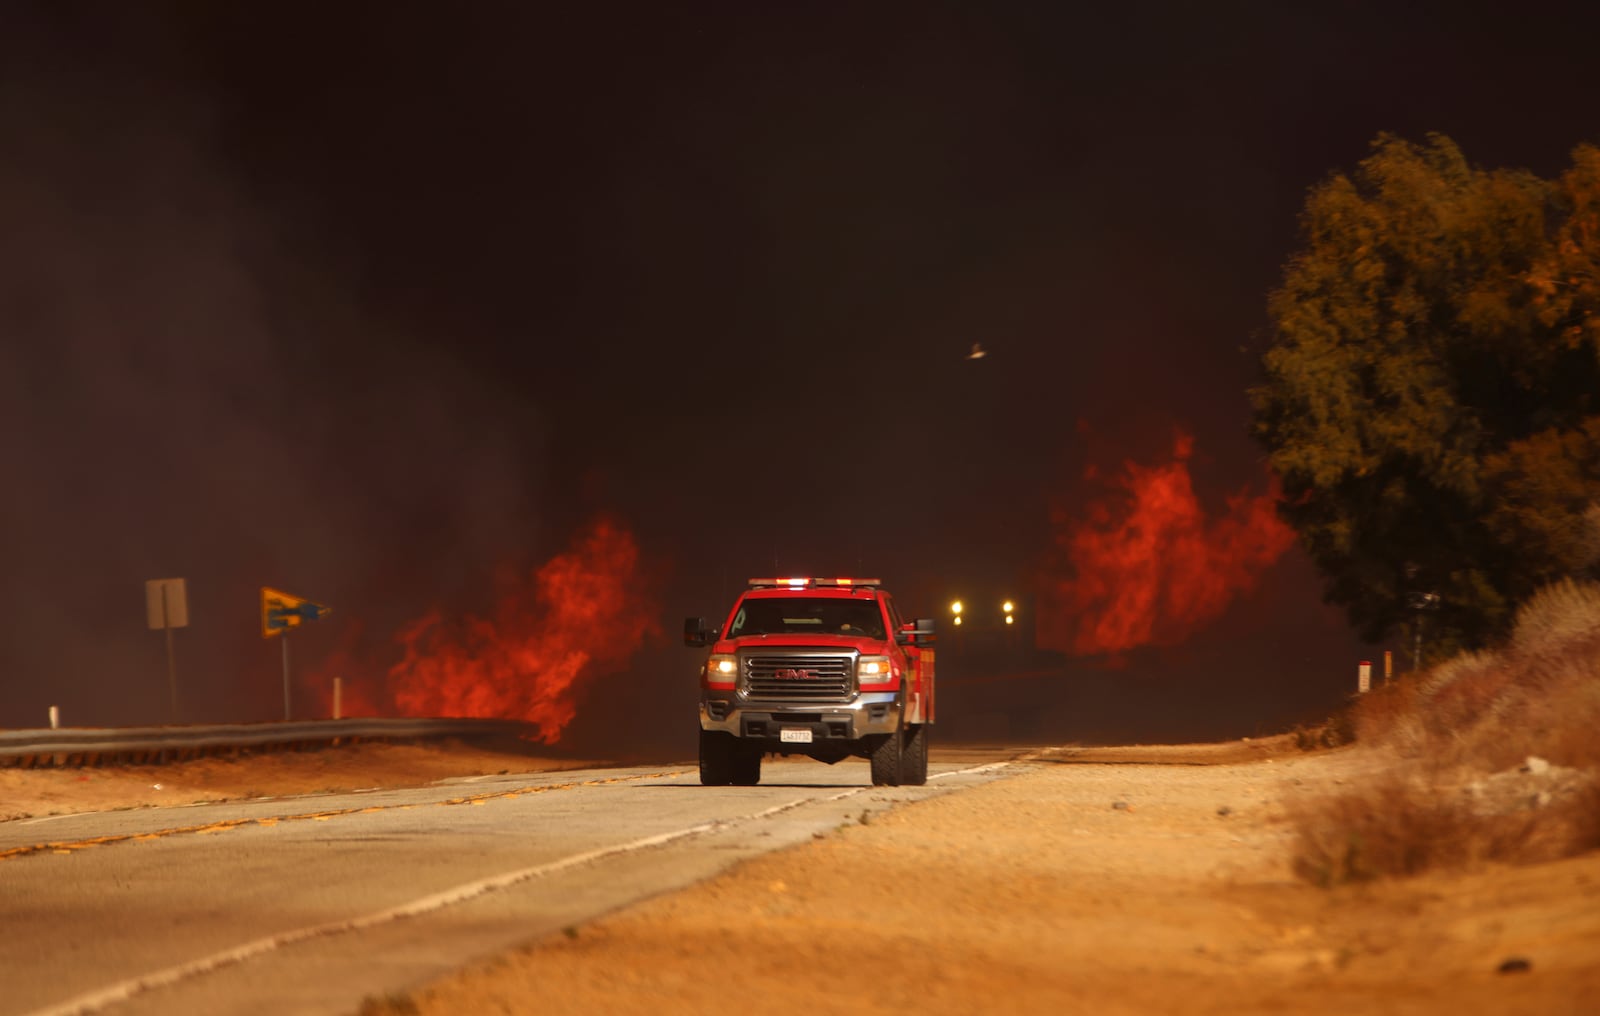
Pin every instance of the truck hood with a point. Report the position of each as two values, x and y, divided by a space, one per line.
865 646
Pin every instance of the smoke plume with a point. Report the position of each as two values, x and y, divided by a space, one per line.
191 385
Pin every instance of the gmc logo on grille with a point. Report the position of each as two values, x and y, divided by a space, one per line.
792 675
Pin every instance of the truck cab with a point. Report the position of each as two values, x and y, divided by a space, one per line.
821 667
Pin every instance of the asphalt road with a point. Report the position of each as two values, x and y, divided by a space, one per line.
311 904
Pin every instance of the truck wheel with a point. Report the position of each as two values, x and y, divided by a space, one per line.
886 758
914 759
746 769
716 758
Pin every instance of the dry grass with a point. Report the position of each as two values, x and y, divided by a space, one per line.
1558 618
1389 828
396 1003
1396 828
1465 730
1334 732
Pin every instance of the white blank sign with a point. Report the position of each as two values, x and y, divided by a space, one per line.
166 604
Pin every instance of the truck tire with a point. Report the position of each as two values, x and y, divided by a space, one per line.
886 758
746 769
914 757
716 758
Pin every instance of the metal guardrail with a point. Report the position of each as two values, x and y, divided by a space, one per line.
81 746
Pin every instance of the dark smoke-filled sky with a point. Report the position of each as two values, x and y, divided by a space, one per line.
515 333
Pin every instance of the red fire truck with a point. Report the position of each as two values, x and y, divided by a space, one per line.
825 668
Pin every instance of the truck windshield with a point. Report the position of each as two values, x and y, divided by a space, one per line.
800 615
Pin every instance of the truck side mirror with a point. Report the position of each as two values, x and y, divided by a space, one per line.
695 632
917 633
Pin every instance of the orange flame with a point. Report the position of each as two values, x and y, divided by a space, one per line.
1146 565
581 615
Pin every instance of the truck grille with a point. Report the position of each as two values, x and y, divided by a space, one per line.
799 678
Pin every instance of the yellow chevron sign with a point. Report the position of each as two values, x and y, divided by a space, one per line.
280 611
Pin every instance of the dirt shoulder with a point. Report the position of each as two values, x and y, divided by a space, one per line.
1131 880
26 793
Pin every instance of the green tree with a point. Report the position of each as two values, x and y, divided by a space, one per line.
1418 371
1566 280
1544 500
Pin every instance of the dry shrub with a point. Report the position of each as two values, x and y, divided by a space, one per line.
1389 828
1540 695
1549 705
1336 731
1396 828
1461 690
1560 617
1483 713
1554 713
396 1003
1379 713
1574 725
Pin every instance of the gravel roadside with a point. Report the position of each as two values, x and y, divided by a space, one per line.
30 793
1132 880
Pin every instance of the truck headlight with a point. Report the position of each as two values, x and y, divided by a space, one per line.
722 671
874 670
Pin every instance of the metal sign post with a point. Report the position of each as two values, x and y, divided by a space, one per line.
279 613
172 662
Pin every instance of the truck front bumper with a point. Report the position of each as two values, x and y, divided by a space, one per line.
869 713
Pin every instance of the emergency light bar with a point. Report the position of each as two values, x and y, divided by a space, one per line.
802 583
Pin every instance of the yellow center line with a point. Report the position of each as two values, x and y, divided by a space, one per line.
71 846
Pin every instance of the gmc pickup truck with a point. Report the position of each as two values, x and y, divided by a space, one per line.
825 668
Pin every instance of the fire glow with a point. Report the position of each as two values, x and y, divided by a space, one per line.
1143 565
579 616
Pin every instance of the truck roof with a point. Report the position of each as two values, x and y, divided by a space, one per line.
807 582
824 592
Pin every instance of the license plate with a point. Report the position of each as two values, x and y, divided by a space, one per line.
795 736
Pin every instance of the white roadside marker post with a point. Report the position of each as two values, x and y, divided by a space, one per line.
1364 677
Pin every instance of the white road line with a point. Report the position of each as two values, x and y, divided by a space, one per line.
122 991
55 818
94 1001
975 769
